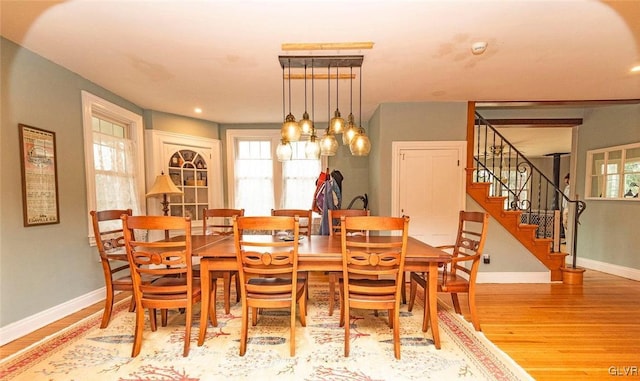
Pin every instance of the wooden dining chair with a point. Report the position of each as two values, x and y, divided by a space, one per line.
107 230
305 218
335 230
171 261
459 276
220 222
268 269
372 270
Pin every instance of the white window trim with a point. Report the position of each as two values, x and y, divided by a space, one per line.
119 114
275 137
589 177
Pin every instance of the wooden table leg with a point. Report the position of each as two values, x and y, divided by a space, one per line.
433 302
205 286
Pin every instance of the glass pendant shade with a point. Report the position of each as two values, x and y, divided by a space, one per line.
337 123
290 130
284 151
328 144
360 145
306 125
350 131
312 148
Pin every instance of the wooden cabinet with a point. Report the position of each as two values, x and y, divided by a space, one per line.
189 171
194 166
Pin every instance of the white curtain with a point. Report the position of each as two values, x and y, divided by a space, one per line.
115 173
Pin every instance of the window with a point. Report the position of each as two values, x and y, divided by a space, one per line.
258 182
114 165
613 173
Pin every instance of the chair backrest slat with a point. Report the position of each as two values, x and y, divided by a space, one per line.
305 218
335 218
219 221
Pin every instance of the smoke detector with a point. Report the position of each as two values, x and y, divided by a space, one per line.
479 47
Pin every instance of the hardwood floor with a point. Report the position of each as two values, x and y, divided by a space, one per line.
554 331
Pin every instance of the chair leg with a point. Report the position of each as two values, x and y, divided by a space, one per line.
237 288
108 307
244 329
425 317
403 290
413 287
292 322
227 291
390 318
254 316
164 316
303 307
396 332
332 292
472 309
456 303
212 304
187 329
152 319
137 337
132 304
344 310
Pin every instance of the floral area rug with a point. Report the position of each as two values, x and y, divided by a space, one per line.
86 352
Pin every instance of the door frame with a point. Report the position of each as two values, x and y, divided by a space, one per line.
398 146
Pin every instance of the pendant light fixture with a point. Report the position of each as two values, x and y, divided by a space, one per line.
353 134
337 123
328 143
350 129
290 130
305 123
360 144
312 148
283 151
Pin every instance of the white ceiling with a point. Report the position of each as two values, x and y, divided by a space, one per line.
222 56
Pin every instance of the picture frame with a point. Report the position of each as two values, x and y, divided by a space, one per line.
39 172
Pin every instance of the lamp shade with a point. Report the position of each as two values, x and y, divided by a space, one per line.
312 148
290 130
284 151
350 131
163 186
360 144
328 144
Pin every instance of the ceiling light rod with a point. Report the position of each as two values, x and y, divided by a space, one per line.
319 76
288 46
321 61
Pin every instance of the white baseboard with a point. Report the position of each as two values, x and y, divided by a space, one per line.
513 277
27 325
621 271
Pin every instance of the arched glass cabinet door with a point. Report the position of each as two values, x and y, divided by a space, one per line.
188 171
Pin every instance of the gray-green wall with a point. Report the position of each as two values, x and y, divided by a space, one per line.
44 266
608 229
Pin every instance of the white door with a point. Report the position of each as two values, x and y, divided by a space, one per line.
430 189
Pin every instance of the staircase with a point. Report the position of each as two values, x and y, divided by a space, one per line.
514 192
510 220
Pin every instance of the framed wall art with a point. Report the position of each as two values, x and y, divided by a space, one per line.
39 176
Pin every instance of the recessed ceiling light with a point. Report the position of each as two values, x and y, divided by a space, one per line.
635 69
198 110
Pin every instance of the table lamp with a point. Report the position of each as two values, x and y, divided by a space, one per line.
164 187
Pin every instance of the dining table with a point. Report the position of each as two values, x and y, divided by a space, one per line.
317 253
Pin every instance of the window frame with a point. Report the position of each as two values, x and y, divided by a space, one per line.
258 134
621 172
93 104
